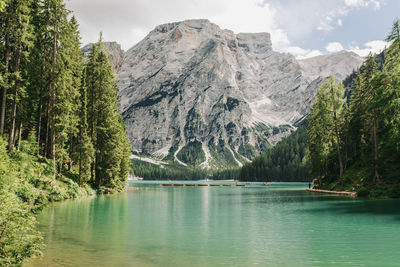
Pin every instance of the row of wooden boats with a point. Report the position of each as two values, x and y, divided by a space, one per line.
264 184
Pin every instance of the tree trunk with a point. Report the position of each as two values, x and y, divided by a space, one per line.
46 144
337 138
12 126
19 135
374 129
11 138
39 126
52 106
70 152
4 95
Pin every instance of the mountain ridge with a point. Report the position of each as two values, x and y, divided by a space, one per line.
190 85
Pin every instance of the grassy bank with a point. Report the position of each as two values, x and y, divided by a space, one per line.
26 186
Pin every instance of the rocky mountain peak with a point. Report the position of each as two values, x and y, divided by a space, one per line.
194 93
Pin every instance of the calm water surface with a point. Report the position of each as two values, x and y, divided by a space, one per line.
280 225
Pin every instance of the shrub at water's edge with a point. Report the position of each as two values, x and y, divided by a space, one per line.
26 186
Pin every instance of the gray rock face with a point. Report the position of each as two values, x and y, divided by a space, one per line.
192 82
113 49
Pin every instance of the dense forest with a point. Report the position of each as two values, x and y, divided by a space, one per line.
354 138
61 133
175 171
284 162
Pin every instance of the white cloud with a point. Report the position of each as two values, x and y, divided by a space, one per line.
334 47
363 3
376 46
332 16
301 53
129 21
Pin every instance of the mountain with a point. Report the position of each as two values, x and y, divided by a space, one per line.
199 95
115 51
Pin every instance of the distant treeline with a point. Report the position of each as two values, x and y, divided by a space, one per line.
174 171
284 162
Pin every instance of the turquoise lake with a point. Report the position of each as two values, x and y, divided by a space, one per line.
277 225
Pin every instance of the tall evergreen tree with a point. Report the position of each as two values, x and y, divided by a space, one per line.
111 162
394 35
327 117
16 39
85 148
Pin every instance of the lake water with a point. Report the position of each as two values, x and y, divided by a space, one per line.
278 225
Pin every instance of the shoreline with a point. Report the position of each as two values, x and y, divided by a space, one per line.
338 193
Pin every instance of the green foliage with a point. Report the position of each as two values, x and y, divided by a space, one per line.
326 118
284 162
150 171
110 166
247 151
363 192
222 156
2 5
171 153
368 130
394 35
174 171
26 186
192 154
44 114
19 239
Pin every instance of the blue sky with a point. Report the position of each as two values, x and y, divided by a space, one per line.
302 27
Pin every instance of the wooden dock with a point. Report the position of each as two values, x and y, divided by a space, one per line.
337 193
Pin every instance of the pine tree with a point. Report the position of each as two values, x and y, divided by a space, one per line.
327 118
84 144
17 39
111 163
394 35
371 109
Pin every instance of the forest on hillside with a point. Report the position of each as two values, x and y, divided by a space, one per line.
354 138
61 133
285 162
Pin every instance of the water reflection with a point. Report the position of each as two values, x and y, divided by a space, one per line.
216 226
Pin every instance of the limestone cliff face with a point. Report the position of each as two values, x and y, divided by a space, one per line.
115 51
191 82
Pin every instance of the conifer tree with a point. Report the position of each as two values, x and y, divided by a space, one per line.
84 145
394 35
17 39
327 118
111 162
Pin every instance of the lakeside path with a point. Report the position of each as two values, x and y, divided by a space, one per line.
338 193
